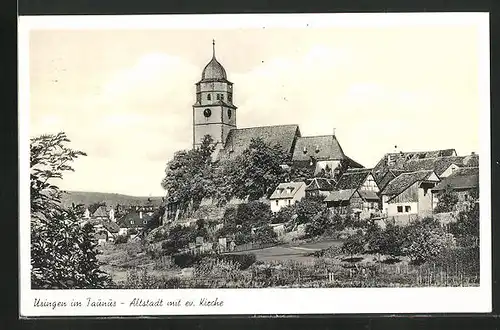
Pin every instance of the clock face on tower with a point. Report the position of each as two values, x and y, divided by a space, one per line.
207 112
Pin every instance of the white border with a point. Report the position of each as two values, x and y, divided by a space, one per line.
262 301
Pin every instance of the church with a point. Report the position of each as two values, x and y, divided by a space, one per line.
215 114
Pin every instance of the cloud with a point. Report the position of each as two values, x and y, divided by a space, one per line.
131 119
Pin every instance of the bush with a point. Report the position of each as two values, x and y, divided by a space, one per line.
354 244
120 239
253 213
244 260
265 235
466 229
185 260
392 241
285 214
426 240
447 201
308 208
217 269
178 238
318 225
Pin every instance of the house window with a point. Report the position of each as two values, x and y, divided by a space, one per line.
288 202
222 97
407 208
131 222
218 96
400 209
276 202
230 98
209 97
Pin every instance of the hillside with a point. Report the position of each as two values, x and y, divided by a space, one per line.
87 198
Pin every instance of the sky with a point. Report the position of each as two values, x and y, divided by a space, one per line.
125 96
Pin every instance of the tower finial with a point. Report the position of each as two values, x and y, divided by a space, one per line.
213 48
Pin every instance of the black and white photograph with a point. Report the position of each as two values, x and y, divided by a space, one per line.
241 153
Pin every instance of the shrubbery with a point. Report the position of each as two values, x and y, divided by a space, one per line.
308 208
466 229
120 239
185 260
447 201
265 235
355 244
426 240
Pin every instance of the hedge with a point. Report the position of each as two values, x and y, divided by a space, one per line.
185 260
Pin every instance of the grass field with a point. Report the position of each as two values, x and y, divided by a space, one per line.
298 252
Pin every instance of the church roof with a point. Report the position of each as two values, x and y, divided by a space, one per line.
239 139
213 71
324 147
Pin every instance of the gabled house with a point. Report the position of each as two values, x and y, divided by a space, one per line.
319 186
105 231
356 193
399 160
100 213
409 196
322 153
133 220
464 182
287 193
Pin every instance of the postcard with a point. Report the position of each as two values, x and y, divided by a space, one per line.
254 164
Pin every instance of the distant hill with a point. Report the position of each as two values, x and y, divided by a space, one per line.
87 198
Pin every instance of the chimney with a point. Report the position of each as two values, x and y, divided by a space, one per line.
472 153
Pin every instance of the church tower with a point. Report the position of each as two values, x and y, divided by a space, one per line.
213 112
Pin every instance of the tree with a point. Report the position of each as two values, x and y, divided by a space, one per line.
285 214
178 238
63 253
257 171
425 240
466 228
354 244
265 235
391 241
320 223
308 208
447 201
253 214
188 176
